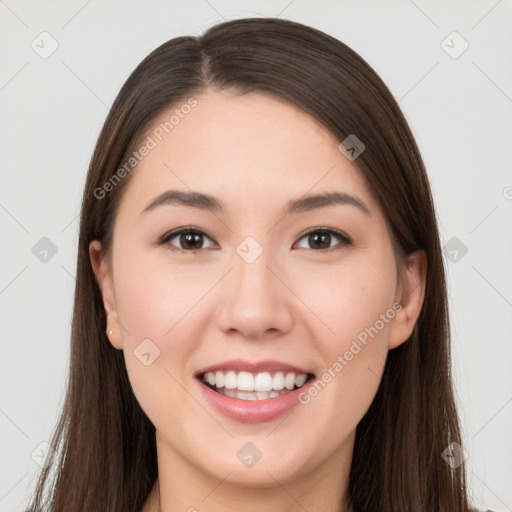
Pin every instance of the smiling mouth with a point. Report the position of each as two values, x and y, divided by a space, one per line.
254 386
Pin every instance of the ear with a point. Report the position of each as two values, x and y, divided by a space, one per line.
410 295
105 282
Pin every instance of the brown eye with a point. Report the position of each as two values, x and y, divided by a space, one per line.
191 240
188 239
321 239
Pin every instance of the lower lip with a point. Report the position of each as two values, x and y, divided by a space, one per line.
253 411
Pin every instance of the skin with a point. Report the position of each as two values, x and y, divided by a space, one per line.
294 303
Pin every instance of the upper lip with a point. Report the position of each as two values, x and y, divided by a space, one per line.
267 365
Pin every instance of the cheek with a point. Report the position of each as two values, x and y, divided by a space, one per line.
156 298
156 308
346 299
352 311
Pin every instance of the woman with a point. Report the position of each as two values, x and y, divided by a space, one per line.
260 318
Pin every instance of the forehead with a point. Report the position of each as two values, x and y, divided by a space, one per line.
251 150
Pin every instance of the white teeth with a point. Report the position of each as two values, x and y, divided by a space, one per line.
278 381
248 395
219 379
300 380
289 381
230 380
245 381
263 382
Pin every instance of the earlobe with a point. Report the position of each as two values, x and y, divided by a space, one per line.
410 295
105 283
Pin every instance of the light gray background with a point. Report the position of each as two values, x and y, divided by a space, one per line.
52 110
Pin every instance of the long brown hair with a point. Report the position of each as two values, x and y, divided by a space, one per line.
106 448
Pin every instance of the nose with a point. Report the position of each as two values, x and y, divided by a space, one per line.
254 299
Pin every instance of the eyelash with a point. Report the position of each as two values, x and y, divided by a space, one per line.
345 240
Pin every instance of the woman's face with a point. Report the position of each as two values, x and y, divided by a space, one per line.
255 285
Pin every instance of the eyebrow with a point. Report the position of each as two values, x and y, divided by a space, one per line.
210 203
